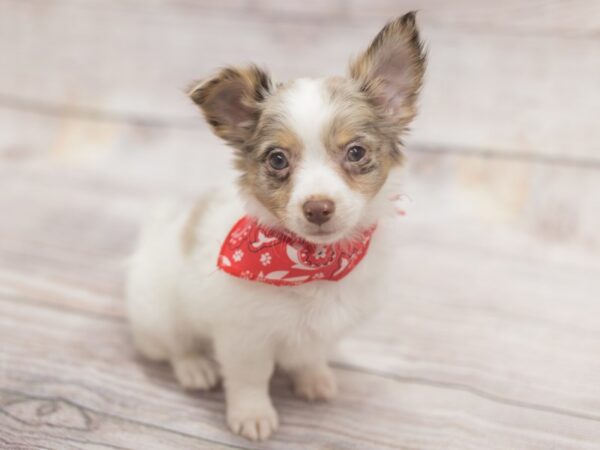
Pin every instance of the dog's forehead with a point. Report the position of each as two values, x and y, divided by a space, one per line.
307 108
318 110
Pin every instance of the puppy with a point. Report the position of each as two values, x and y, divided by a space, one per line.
273 272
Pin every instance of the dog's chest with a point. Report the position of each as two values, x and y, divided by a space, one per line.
325 311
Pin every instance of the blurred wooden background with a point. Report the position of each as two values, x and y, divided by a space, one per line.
493 337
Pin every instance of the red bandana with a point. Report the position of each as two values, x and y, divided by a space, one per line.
255 252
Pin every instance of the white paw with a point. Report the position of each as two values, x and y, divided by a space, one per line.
315 383
196 372
256 423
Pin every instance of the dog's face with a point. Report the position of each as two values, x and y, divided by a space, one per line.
314 153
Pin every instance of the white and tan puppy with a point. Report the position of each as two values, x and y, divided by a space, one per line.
317 159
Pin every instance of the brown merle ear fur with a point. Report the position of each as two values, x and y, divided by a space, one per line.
391 70
231 101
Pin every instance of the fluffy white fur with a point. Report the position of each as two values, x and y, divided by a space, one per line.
183 310
208 324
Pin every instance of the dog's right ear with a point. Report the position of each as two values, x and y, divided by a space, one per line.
231 101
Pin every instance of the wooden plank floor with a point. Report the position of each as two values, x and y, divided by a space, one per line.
491 336
482 346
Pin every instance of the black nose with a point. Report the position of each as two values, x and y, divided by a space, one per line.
318 211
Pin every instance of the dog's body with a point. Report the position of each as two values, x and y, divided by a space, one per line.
183 309
318 159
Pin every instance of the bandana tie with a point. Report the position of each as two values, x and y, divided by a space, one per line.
254 252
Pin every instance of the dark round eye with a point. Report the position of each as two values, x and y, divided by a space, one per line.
278 160
355 153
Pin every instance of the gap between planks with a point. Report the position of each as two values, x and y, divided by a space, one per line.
21 104
344 366
82 408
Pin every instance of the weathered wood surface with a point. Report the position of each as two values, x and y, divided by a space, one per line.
555 200
491 338
484 345
506 78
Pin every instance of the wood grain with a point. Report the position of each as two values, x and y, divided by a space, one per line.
571 19
491 336
112 388
524 93
33 421
555 200
502 361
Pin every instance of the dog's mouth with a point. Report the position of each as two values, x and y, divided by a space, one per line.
321 234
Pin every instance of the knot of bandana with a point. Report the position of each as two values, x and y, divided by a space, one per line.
254 252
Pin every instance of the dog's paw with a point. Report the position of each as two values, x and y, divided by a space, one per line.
315 384
255 422
196 372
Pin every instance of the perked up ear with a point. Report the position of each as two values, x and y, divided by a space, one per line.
231 101
391 70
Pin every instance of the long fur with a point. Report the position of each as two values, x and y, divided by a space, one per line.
209 325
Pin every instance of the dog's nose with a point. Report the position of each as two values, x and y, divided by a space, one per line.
318 211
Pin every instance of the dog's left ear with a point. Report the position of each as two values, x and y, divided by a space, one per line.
231 101
391 70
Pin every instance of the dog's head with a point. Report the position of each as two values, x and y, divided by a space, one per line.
315 153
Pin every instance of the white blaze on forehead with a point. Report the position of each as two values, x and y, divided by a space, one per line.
308 110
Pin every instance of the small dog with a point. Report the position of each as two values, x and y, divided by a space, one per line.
301 244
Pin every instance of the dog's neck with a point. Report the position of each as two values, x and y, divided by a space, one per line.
252 251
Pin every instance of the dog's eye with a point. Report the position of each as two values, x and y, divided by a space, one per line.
278 160
355 153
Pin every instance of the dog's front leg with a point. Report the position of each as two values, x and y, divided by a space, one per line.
247 367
